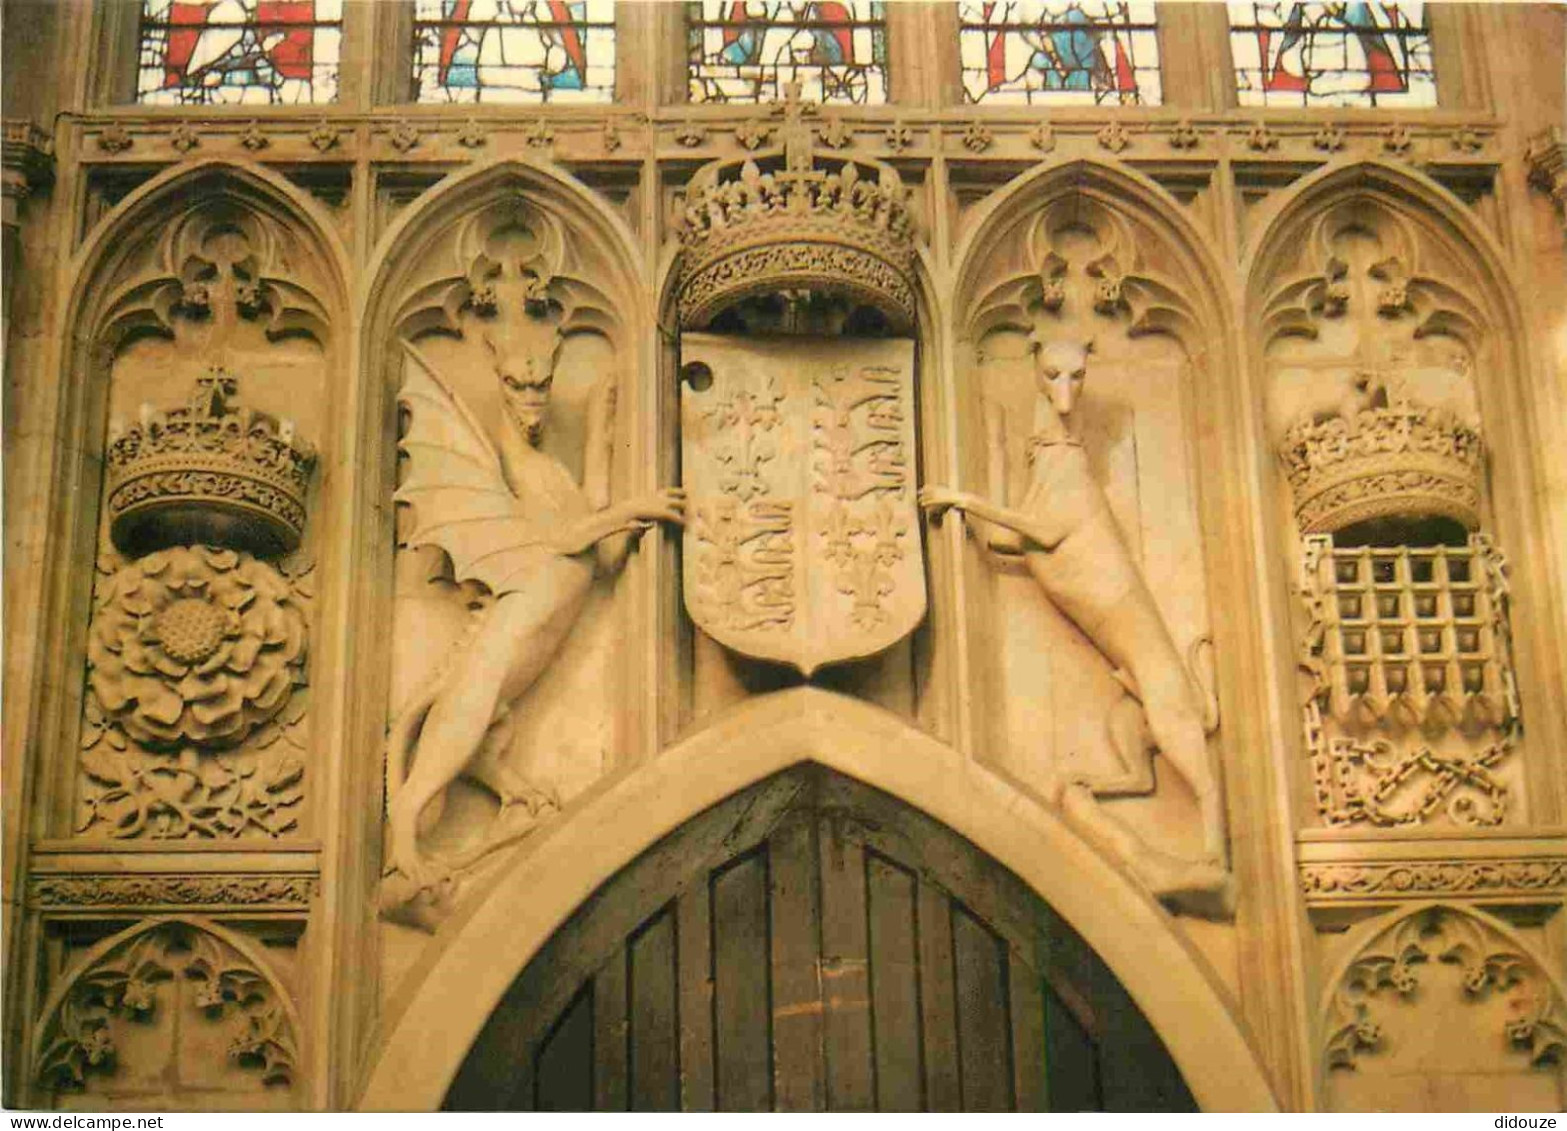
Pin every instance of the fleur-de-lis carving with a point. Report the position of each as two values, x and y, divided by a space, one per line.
835 133
1115 137
471 135
253 139
1184 135
976 137
1397 139
114 139
1261 138
184 138
689 134
899 137
752 134
1042 137
324 135
1466 139
1329 138
539 135
611 136
403 136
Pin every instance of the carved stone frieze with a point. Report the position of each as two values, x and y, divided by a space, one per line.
195 891
803 546
1402 879
1546 158
116 1025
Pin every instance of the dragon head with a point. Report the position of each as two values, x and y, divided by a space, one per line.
523 350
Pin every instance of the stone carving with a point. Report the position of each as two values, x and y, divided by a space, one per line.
195 646
976 137
1114 136
1070 544
207 892
787 221
324 136
212 470
803 545
195 697
1546 158
1185 135
139 994
1329 138
1385 879
1394 458
509 516
1491 966
254 138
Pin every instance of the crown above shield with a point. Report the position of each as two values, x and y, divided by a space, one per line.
791 221
210 471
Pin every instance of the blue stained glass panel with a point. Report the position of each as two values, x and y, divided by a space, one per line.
1339 54
514 51
1068 52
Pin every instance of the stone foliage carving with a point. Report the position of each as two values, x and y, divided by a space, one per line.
119 890
1388 972
1405 878
790 221
196 698
509 516
193 722
196 646
802 547
1085 278
142 993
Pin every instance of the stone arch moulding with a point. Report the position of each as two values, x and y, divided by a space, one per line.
130 978
1461 287
448 996
1385 968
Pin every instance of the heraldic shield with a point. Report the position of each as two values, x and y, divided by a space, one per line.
802 544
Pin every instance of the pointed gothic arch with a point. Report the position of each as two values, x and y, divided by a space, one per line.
433 1020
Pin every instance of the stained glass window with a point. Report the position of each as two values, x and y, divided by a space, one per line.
1084 52
514 50
254 52
1343 54
749 50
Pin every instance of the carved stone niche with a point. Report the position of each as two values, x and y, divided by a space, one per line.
795 294
215 340
1410 707
168 1014
506 638
1442 1008
1096 644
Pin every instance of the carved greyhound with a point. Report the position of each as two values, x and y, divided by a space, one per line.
1071 545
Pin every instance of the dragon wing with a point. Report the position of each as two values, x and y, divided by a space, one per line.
455 487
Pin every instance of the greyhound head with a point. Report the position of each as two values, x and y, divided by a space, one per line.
1060 368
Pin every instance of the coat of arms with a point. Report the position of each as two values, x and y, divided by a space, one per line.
803 543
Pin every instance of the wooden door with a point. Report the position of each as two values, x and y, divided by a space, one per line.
813 944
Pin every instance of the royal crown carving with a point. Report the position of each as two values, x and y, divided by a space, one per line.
786 220
211 471
1402 459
